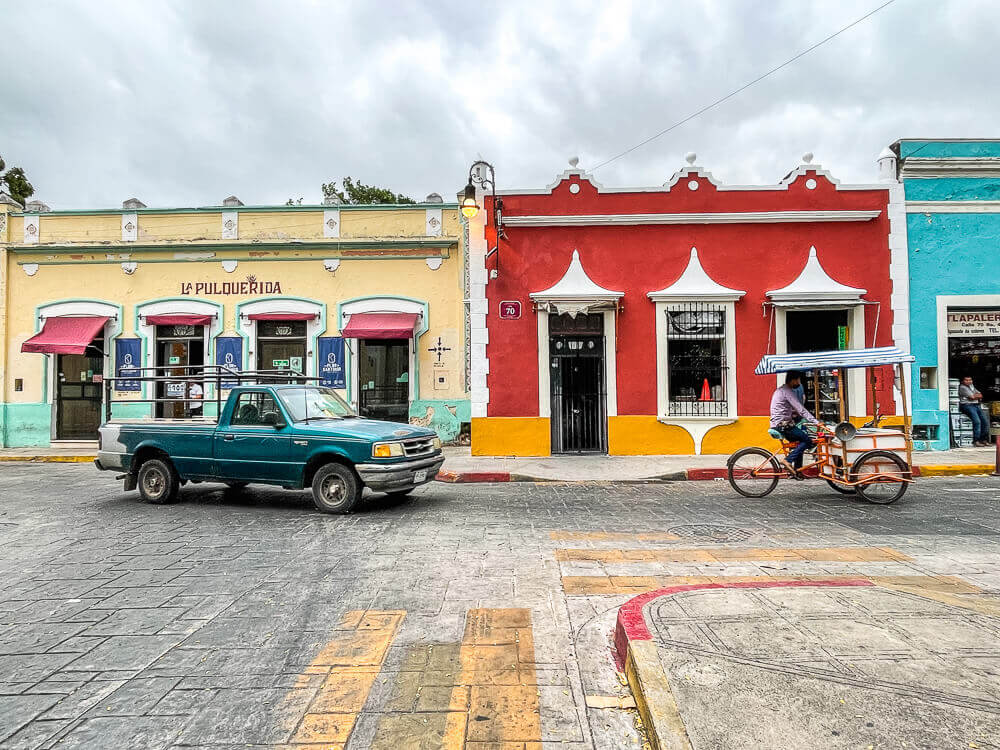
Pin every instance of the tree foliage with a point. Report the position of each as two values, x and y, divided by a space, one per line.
17 182
358 193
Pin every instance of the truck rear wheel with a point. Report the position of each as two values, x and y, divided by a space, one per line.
158 482
335 489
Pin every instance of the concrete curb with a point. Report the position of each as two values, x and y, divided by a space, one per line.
636 655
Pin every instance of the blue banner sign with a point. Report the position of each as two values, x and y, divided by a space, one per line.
229 356
127 362
331 362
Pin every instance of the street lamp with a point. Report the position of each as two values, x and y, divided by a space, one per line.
481 173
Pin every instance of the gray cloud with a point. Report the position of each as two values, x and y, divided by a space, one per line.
187 102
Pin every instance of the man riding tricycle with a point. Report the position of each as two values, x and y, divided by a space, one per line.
871 461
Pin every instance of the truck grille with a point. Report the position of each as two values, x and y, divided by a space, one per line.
418 447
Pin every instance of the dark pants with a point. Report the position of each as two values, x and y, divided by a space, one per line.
804 440
980 424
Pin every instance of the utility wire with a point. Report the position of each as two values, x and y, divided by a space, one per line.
744 87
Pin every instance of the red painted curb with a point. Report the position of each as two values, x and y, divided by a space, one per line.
631 624
472 476
702 474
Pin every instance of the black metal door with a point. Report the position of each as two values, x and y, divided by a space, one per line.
576 376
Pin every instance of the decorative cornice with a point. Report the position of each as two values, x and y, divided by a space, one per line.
250 209
737 217
285 245
930 167
949 207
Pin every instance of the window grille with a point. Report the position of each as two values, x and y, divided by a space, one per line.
697 370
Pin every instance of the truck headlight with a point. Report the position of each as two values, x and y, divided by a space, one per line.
387 450
436 442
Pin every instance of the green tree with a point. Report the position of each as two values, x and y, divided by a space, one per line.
17 183
358 193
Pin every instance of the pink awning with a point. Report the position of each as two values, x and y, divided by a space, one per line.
178 320
281 316
381 326
64 335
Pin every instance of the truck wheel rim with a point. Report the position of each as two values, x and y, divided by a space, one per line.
334 490
153 483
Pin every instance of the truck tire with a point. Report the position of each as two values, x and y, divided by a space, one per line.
335 488
158 481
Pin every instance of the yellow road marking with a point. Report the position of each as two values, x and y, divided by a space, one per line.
730 554
616 585
350 661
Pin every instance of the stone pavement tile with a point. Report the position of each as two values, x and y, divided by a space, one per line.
142 621
57 687
140 597
132 732
31 667
63 588
18 710
182 702
480 589
233 632
48 610
35 638
82 699
260 716
77 644
559 718
142 578
428 731
135 697
35 735
504 713
127 652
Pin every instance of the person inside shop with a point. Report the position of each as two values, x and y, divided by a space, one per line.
969 400
197 396
786 413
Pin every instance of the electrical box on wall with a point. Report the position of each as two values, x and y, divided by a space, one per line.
441 378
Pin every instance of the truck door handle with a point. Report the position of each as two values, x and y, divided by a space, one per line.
228 437
301 442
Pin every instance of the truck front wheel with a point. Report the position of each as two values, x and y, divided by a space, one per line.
335 489
158 482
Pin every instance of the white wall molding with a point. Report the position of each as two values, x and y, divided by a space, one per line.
331 223
737 217
434 226
130 227
950 207
479 365
931 167
230 225
899 260
31 229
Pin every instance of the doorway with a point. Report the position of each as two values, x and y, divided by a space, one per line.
384 379
79 387
820 331
577 384
180 349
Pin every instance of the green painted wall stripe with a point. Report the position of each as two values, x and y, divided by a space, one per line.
249 209
193 247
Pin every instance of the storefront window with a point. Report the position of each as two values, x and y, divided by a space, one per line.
696 356
281 345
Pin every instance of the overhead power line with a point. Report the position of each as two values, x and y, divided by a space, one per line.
744 87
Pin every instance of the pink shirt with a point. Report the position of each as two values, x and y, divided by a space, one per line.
786 407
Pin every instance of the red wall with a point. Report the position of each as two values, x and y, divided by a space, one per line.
639 259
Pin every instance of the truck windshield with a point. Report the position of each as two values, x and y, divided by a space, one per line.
304 404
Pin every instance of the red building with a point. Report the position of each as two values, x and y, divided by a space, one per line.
630 320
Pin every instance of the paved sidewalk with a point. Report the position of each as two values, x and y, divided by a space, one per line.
461 466
829 662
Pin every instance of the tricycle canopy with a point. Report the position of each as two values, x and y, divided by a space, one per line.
840 359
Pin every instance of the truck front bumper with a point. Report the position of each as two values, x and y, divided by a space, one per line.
400 476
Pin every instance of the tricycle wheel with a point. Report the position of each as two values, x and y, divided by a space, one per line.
842 489
888 487
335 489
158 482
753 472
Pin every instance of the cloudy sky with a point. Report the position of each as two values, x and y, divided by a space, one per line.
184 103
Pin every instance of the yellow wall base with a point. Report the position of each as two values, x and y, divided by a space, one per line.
510 436
644 436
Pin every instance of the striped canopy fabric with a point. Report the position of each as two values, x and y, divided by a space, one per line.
847 358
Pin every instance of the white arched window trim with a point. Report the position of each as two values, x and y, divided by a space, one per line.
281 305
383 305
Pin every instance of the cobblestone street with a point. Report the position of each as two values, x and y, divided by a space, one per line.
473 614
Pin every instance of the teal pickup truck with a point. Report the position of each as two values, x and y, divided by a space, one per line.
293 436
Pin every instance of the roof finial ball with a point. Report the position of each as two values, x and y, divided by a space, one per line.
807 157
573 161
690 157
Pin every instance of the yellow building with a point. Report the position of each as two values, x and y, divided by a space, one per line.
370 298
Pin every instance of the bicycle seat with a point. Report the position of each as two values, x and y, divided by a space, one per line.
775 434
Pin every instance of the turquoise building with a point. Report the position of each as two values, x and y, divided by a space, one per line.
945 265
